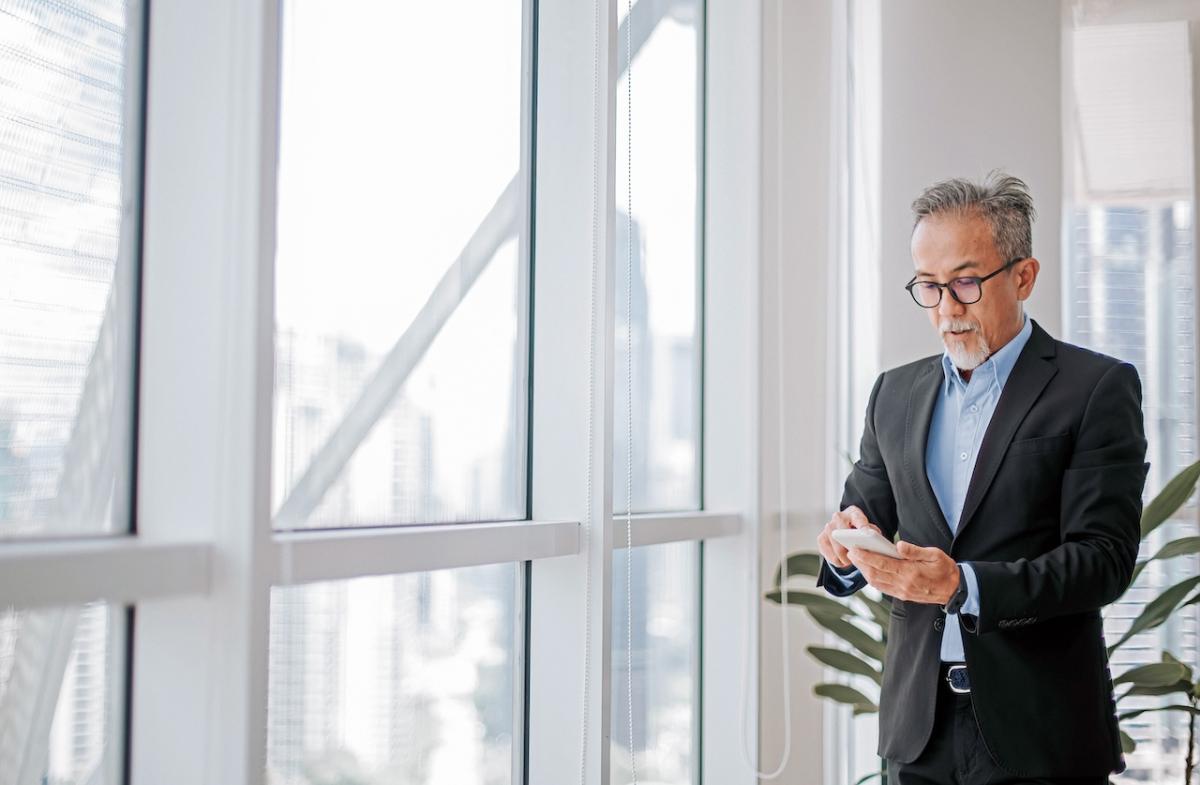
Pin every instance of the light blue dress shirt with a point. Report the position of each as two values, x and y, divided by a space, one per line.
961 415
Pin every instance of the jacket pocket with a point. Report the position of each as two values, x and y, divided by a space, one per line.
1039 444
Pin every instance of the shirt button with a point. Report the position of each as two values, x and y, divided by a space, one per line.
938 624
962 456
974 408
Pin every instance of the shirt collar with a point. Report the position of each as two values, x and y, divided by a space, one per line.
998 366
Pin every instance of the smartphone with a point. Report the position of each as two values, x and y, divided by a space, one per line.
867 539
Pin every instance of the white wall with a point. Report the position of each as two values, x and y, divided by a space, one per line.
967 86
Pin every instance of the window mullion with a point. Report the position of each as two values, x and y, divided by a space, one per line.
199 687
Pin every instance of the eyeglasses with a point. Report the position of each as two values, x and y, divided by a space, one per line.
967 290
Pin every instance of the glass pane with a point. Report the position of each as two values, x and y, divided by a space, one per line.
61 682
665 663
395 679
69 128
400 344
659 259
1130 285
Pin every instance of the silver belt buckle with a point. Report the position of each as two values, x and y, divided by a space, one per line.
956 677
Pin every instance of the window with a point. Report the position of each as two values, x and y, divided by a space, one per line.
1130 292
400 345
657 261
69 189
384 679
658 265
665 661
61 687
70 155
368 518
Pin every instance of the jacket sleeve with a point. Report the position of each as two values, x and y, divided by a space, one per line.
869 489
1100 519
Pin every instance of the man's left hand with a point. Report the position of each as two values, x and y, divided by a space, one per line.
926 575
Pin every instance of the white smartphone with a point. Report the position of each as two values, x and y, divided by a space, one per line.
867 539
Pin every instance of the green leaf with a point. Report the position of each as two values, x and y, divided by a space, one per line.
810 600
852 634
848 695
1127 715
1184 546
1182 687
1128 745
880 610
1187 669
1170 499
804 563
844 661
1158 610
1156 674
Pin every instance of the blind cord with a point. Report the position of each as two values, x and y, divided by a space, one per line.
629 384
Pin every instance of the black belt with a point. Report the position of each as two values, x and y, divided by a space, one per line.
955 676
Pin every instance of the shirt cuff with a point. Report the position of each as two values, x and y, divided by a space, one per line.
971 606
846 578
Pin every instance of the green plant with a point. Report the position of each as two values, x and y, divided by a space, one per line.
860 621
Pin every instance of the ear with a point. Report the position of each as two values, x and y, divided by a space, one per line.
1027 273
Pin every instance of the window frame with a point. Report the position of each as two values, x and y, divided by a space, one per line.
198 566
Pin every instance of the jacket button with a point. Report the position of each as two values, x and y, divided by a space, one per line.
939 623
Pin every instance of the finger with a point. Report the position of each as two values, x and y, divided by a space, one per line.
841 521
858 518
831 551
917 553
875 560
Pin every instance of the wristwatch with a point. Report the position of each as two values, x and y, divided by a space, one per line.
960 596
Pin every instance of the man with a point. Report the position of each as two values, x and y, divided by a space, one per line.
1012 468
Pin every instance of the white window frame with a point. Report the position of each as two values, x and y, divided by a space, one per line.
200 565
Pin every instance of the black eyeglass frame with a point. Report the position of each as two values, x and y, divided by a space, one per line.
979 279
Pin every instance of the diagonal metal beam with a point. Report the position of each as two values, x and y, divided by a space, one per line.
378 394
500 224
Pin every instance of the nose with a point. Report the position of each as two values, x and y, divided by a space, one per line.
949 307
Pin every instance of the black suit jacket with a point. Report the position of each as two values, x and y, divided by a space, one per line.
1051 525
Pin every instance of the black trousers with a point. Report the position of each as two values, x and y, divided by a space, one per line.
956 754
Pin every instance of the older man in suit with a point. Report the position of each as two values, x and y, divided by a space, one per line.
1011 466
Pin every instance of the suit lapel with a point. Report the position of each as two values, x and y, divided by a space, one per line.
921 400
1030 375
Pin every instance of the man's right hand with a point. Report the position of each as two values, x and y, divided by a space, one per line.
849 518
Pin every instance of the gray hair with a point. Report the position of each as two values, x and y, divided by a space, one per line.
1002 200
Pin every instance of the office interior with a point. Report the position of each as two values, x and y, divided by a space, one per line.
429 393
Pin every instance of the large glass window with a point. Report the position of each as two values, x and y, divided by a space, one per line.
1130 292
400 375
405 679
663 646
657 258
61 684
69 155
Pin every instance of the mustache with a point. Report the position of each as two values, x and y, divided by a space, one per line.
957 325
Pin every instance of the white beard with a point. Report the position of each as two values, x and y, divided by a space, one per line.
962 357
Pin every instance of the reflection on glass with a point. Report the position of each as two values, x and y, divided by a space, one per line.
664 248
67 232
400 316
405 679
61 678
1130 281
665 588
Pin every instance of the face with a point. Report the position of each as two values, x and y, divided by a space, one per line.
949 246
